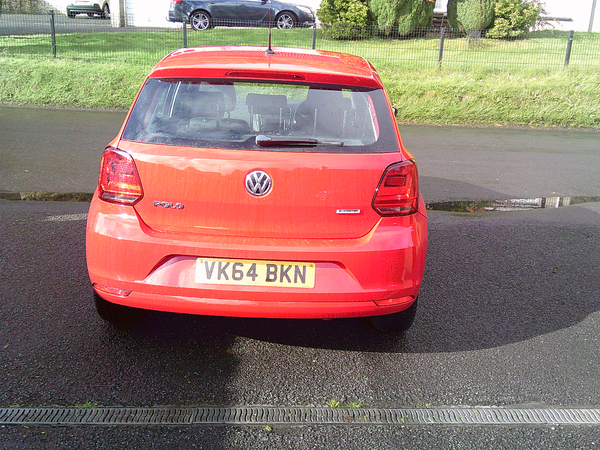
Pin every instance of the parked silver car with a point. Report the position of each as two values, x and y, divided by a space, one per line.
89 7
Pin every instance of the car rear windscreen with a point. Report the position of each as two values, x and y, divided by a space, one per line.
246 115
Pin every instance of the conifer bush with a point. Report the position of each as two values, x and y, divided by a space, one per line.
402 16
471 14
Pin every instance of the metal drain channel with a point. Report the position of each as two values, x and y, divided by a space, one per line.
257 415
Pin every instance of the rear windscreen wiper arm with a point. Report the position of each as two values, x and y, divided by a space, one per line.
291 141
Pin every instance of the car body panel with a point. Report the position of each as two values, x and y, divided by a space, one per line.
195 209
247 62
304 201
254 10
352 274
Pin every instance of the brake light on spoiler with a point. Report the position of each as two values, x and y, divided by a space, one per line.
270 75
398 190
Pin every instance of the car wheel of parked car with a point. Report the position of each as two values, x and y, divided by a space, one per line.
286 20
105 11
200 20
118 315
398 322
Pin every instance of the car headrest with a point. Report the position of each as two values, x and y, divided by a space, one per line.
210 105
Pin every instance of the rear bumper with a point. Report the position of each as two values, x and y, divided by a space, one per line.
377 274
176 16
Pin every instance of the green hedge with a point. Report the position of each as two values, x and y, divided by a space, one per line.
471 14
402 16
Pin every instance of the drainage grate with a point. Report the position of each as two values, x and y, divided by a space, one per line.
517 204
256 415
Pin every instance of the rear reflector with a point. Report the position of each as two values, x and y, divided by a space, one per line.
119 179
111 290
395 301
398 190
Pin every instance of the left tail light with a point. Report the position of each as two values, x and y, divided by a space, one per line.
398 190
119 181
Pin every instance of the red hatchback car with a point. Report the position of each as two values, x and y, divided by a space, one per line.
251 184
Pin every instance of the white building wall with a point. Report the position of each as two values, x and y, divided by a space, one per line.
59 5
441 6
314 4
579 11
153 13
148 13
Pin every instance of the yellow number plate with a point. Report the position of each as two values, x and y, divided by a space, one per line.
255 273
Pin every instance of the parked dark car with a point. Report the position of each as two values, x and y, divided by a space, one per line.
202 15
89 7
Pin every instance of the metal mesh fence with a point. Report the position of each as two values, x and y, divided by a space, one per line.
96 39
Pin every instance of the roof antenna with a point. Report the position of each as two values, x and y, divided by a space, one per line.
270 51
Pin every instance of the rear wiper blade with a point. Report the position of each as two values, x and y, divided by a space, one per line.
292 141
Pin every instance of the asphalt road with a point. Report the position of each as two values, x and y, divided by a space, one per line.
24 24
63 152
509 313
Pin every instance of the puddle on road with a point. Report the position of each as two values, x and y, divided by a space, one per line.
518 204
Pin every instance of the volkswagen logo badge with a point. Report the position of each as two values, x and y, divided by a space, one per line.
258 183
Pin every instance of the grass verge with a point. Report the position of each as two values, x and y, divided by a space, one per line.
65 83
535 97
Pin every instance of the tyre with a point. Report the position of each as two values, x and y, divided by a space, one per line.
200 20
118 315
398 322
285 20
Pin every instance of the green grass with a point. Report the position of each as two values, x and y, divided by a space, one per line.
481 81
69 83
566 98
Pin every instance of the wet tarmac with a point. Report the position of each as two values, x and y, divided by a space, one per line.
509 307
57 151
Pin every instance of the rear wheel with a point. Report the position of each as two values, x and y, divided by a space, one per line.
398 322
285 20
118 315
200 20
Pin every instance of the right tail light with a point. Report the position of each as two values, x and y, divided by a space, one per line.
398 190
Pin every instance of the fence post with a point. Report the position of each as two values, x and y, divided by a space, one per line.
569 45
53 33
184 33
314 44
441 53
